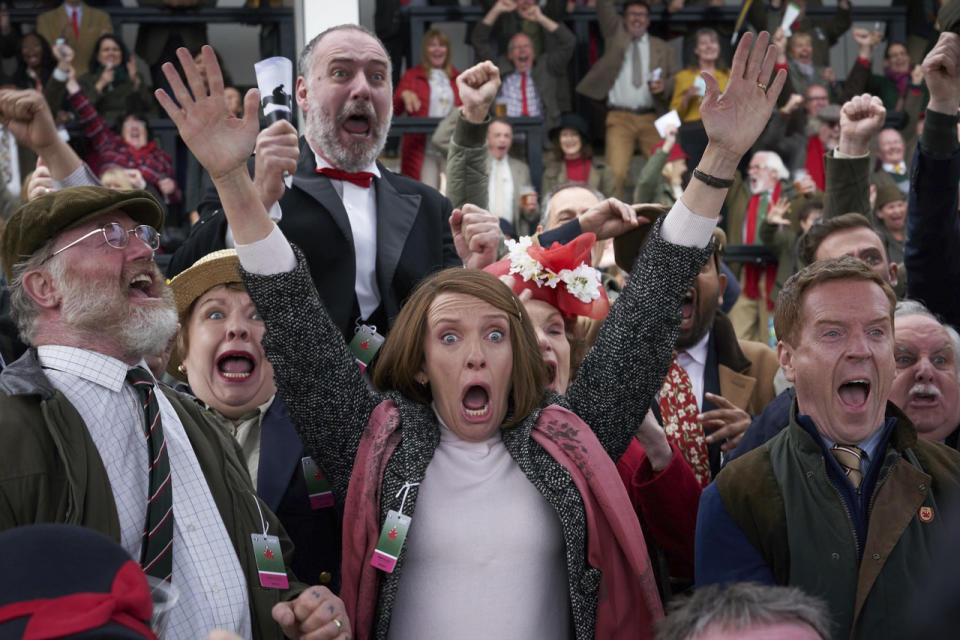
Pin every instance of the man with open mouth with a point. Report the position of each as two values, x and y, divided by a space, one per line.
847 501
356 221
87 437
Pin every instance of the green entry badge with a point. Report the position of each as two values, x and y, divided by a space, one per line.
317 486
269 558
392 535
365 344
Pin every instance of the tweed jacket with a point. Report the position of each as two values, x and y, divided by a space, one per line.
93 23
549 70
616 39
52 472
331 403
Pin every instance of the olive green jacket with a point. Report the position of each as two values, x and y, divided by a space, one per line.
788 507
51 472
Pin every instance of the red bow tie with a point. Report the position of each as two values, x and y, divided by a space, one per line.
361 178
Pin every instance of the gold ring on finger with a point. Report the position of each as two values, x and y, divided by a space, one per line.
339 624
762 86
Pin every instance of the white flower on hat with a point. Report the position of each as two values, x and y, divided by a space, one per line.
583 283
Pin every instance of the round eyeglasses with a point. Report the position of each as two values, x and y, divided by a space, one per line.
118 237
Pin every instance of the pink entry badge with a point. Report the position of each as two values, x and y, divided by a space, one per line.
392 535
269 559
318 489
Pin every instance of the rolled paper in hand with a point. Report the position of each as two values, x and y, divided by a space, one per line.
275 81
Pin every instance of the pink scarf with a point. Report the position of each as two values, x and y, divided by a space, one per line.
628 602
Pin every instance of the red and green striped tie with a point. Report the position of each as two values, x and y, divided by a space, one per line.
156 551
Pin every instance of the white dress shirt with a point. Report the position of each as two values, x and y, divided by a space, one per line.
694 362
360 204
206 571
623 94
501 176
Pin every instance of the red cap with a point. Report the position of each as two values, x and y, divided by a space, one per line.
560 276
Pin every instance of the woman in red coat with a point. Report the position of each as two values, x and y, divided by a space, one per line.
427 90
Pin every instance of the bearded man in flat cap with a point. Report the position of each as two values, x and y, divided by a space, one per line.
87 437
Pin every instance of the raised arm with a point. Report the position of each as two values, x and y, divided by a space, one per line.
932 253
316 375
630 358
848 168
27 116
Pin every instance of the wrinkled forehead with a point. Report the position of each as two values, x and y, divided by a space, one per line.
349 45
915 330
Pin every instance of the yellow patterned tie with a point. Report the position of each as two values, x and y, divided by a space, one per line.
849 456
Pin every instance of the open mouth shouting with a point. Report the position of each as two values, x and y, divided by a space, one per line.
854 393
687 307
475 403
143 286
359 121
236 366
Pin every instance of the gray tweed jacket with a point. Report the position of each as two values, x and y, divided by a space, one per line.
331 403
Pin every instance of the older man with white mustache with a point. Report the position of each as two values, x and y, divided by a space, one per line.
927 384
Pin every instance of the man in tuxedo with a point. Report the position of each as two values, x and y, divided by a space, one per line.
356 221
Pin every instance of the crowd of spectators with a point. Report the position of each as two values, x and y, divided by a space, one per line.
700 377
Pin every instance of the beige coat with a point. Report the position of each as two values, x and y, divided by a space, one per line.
93 24
601 77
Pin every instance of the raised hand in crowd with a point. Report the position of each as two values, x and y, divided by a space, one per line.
64 55
478 88
942 74
220 141
916 75
26 115
727 423
136 178
106 78
794 102
733 120
777 212
277 153
411 103
476 235
780 42
861 118
498 9
316 614
132 72
40 181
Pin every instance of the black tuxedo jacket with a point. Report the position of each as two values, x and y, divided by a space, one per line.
413 238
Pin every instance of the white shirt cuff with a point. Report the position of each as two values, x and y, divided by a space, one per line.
274 214
840 155
686 228
269 256
81 177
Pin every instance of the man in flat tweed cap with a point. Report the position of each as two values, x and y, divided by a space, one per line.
87 439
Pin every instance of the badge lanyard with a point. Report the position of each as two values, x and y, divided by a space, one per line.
268 555
393 534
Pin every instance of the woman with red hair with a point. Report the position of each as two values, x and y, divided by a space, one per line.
428 90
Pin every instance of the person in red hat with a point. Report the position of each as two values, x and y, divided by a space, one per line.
557 285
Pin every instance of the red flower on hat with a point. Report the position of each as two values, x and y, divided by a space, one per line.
560 276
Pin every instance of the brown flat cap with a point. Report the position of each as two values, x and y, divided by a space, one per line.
53 213
948 19
213 269
829 114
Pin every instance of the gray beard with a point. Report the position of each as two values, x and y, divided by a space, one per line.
321 131
140 330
